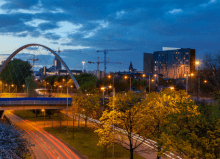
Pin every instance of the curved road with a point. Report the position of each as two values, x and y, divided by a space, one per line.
46 145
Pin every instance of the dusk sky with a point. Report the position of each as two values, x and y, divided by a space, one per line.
88 26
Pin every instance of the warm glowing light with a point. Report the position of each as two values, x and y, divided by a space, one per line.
23 85
63 80
171 88
126 77
42 110
197 62
83 62
185 75
109 76
102 88
110 86
143 75
191 74
47 83
152 80
155 75
205 81
71 86
12 85
6 85
60 86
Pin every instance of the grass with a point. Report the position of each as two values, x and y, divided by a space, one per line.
85 141
40 117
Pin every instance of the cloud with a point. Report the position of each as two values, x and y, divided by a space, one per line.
23 4
47 26
175 11
51 36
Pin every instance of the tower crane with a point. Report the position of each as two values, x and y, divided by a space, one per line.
33 61
98 62
106 51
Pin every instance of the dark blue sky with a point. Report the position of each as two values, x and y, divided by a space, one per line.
140 25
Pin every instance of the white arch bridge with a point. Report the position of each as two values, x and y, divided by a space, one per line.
37 103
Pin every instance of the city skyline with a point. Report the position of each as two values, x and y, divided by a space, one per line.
143 26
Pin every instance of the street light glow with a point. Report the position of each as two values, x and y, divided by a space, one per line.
42 110
109 76
191 74
197 62
171 88
126 77
152 80
205 81
155 75
110 86
103 88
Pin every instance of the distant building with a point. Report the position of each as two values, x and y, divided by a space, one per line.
148 63
171 62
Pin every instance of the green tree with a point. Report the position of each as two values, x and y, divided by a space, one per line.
15 72
31 86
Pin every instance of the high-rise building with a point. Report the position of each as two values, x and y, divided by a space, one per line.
57 64
148 63
171 62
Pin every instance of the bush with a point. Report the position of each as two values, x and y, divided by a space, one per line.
12 143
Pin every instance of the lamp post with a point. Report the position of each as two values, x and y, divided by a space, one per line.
197 66
83 62
113 127
103 89
44 116
126 77
67 115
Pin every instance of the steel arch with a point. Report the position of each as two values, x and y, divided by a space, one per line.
57 56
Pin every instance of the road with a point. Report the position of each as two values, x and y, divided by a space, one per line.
46 145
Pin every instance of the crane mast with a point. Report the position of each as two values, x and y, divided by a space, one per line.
98 62
105 52
33 62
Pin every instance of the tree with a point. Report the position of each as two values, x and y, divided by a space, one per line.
86 81
13 145
127 113
211 73
15 72
88 105
31 86
167 118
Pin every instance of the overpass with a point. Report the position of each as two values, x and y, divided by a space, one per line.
33 103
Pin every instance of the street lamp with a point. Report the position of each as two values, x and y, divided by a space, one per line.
205 81
148 80
197 66
126 77
103 89
83 62
67 115
44 116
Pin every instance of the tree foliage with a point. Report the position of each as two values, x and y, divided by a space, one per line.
125 113
16 71
31 86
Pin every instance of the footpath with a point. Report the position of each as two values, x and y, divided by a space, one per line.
145 150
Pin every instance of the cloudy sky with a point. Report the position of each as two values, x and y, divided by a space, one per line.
140 25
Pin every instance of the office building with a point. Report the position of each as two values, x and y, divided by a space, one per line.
148 63
171 62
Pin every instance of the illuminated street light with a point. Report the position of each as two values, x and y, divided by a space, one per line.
192 74
126 77
110 86
205 81
197 65
155 75
43 110
109 76
143 75
83 62
152 80
103 89
172 88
